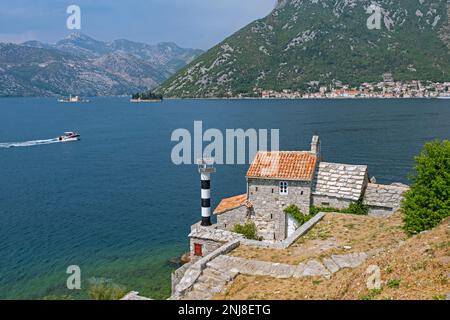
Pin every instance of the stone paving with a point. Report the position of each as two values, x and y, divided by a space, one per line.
223 269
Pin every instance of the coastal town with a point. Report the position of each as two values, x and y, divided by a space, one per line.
388 88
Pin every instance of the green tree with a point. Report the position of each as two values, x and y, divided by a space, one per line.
428 200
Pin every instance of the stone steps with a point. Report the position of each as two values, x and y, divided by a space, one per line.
223 269
211 282
223 275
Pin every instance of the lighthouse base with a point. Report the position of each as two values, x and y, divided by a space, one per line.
206 221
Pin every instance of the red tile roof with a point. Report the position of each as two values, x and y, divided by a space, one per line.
283 165
231 203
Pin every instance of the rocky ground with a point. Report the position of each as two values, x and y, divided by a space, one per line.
331 262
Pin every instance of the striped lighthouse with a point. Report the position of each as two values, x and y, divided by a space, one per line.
205 168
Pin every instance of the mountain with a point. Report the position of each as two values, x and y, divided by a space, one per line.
84 66
323 40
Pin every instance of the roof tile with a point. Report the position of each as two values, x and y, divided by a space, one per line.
283 165
231 203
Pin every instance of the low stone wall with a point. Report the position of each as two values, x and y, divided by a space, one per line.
193 272
178 274
289 241
303 229
321 201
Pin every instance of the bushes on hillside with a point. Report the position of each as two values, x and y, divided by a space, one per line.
247 230
428 200
358 208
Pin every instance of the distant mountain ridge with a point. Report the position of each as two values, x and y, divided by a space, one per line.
323 41
81 65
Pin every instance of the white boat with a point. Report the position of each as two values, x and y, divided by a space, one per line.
69 136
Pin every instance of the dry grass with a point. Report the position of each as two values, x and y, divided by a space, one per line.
418 268
331 235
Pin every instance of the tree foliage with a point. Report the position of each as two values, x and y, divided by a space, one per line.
148 95
428 200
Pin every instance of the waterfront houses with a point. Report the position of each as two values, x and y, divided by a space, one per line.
386 89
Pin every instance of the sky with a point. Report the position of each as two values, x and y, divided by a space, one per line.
189 23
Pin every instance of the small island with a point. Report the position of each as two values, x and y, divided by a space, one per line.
147 96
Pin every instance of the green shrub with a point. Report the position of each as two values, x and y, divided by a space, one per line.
427 203
247 230
357 207
315 210
295 213
372 294
393 283
106 290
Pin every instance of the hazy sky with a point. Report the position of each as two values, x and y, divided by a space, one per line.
189 23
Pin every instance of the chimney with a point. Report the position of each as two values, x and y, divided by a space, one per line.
205 168
315 146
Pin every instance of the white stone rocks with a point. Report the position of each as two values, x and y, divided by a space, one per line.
331 265
351 260
315 268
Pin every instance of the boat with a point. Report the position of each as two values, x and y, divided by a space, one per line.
69 136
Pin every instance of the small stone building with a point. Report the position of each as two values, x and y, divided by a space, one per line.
276 180
337 185
384 199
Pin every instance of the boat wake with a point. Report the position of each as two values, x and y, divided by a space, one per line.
28 143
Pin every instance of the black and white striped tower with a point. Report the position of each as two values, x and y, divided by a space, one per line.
206 167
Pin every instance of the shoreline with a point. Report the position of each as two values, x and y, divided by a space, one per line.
245 98
290 99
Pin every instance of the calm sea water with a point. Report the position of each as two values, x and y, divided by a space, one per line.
114 203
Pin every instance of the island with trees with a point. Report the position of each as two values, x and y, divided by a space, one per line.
146 96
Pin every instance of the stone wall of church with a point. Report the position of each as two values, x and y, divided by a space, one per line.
268 205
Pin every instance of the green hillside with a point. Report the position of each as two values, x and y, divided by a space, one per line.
322 40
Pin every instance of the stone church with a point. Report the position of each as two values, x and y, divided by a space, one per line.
276 180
